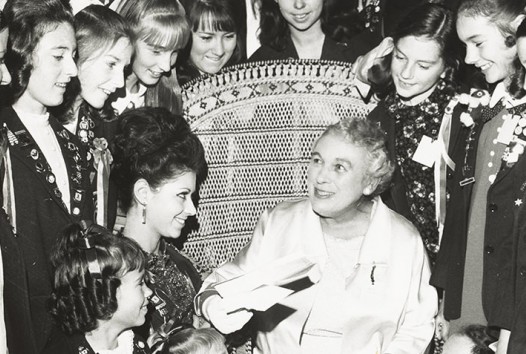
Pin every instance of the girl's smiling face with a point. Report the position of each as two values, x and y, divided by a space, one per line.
53 68
485 47
103 73
416 66
169 205
132 300
211 50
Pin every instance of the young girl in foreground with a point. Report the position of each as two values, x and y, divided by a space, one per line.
99 292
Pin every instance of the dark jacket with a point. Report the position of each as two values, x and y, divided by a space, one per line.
395 197
40 217
60 343
504 269
330 51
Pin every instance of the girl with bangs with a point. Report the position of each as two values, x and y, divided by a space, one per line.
99 292
214 43
160 30
104 50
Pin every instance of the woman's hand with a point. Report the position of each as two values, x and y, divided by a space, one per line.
362 65
215 311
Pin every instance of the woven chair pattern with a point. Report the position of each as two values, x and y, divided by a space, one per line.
258 123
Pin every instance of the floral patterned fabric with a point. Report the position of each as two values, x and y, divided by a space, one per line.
411 124
173 290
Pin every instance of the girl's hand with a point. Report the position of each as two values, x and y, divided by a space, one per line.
224 322
362 65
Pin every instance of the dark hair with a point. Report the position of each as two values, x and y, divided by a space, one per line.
479 336
433 22
156 145
500 12
191 340
3 22
516 86
80 298
28 22
274 29
215 15
97 30
367 134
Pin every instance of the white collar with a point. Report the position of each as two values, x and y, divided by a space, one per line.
501 93
32 119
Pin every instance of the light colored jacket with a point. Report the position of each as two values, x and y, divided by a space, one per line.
392 314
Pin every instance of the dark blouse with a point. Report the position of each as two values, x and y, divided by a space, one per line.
411 123
174 282
331 51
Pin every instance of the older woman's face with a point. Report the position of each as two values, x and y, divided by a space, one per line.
337 176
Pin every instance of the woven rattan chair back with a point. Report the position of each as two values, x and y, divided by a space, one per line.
257 123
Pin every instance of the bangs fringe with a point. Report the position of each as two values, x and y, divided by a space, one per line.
215 22
165 30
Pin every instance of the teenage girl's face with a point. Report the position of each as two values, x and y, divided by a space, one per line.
151 62
103 73
485 47
521 51
169 205
301 15
132 301
5 77
53 68
211 50
416 66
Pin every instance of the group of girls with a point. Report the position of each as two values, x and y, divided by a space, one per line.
72 76
94 71
459 153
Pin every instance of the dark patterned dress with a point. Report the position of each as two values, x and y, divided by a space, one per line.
411 124
174 282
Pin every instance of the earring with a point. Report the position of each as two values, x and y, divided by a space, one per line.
144 213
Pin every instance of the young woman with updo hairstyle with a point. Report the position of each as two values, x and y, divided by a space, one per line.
160 30
46 171
215 41
158 165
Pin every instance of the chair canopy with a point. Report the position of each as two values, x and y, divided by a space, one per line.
257 123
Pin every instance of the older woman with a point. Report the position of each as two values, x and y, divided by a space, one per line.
373 296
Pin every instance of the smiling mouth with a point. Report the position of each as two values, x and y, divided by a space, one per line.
180 221
155 73
485 67
301 17
321 193
61 84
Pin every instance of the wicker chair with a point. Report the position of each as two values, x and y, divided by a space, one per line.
257 123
